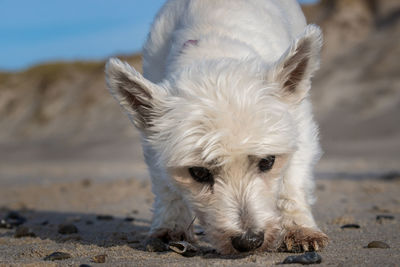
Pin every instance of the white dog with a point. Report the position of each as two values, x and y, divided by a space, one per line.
226 123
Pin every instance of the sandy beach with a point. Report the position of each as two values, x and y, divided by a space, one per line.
112 217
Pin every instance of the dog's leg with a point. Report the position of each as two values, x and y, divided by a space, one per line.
299 230
172 218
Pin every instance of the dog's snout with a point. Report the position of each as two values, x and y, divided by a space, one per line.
248 241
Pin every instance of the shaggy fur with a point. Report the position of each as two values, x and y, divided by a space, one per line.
225 85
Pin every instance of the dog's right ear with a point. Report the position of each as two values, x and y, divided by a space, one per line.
138 96
294 69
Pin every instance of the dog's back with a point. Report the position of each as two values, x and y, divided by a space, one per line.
250 28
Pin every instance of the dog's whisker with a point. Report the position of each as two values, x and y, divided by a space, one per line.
191 223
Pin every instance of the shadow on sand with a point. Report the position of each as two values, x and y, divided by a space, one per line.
91 229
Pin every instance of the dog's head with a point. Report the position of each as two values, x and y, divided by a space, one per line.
224 130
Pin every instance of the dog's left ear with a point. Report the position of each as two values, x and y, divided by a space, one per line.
294 69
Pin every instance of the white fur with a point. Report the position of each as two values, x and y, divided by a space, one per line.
239 92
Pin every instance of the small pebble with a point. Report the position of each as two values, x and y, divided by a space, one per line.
56 256
86 182
321 187
184 248
155 245
99 258
23 231
84 265
66 229
377 244
129 219
11 220
380 218
5 224
306 258
89 222
45 222
105 217
350 226
14 215
199 232
391 176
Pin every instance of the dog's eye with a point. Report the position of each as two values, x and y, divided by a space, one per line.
266 164
201 175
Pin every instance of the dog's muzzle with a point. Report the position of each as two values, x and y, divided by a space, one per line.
248 241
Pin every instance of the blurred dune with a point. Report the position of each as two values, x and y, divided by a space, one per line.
58 101
62 110
356 94
60 123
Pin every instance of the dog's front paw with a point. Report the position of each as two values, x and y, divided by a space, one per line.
298 239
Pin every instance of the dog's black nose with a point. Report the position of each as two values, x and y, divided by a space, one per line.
248 241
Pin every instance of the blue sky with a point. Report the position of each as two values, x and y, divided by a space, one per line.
35 31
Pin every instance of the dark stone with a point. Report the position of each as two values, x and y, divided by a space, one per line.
84 265
11 220
377 244
56 256
45 222
66 229
23 231
86 182
13 215
321 187
156 245
199 232
89 222
99 258
129 219
350 226
306 258
380 218
391 176
105 217
5 224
